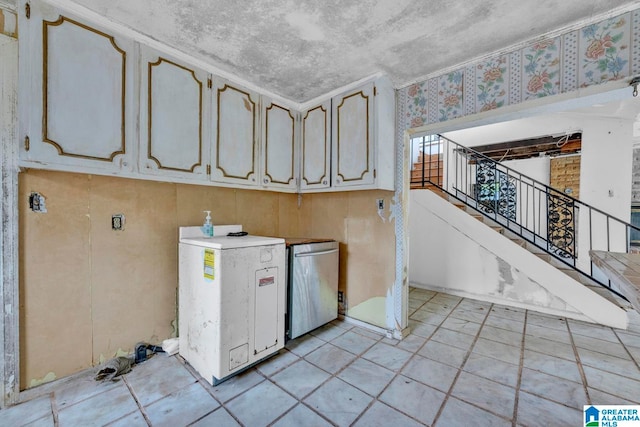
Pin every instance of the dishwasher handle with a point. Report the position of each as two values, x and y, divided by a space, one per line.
305 254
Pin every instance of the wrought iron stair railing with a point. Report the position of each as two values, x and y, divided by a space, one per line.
553 221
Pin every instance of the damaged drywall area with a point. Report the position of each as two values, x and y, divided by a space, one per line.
38 381
515 285
370 251
123 287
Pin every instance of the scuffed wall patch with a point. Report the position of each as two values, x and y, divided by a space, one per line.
46 379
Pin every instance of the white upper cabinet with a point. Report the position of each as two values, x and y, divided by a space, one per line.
363 135
174 103
279 146
315 148
94 101
235 120
353 138
77 93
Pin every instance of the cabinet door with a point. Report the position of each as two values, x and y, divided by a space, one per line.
316 147
78 103
353 138
173 141
279 151
235 130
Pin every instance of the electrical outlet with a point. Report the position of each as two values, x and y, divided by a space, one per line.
380 203
342 304
37 203
117 222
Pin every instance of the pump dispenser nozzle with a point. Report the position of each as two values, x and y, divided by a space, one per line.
207 228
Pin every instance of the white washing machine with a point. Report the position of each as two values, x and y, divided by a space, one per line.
231 300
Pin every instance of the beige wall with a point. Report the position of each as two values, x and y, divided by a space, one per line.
87 291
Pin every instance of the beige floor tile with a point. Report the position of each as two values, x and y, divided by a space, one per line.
367 376
261 405
534 411
430 372
300 379
492 369
381 415
300 415
552 365
339 401
496 350
409 397
444 353
353 342
496 398
457 413
330 358
562 391
389 357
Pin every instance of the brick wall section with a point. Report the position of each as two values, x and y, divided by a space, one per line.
635 185
565 173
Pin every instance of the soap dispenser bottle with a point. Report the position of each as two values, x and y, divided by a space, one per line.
207 228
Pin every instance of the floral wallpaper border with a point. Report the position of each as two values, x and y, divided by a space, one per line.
605 51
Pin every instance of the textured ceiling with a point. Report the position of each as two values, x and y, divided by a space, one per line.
301 49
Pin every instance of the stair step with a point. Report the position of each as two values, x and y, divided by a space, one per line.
608 295
573 274
426 186
532 248
519 242
544 257
427 171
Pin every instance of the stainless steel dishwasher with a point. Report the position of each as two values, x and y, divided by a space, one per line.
312 284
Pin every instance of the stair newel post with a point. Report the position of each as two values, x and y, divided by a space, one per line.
423 156
548 204
445 162
591 239
608 235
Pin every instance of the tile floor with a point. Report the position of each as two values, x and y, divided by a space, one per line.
465 362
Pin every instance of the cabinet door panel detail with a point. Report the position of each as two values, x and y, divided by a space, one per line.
84 85
315 147
353 139
279 146
175 116
236 134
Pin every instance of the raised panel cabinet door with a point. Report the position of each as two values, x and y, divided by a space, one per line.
172 140
316 147
353 138
80 93
278 147
235 127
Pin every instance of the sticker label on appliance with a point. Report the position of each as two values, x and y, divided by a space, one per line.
267 281
209 264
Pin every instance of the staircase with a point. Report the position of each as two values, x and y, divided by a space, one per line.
427 172
587 281
477 185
